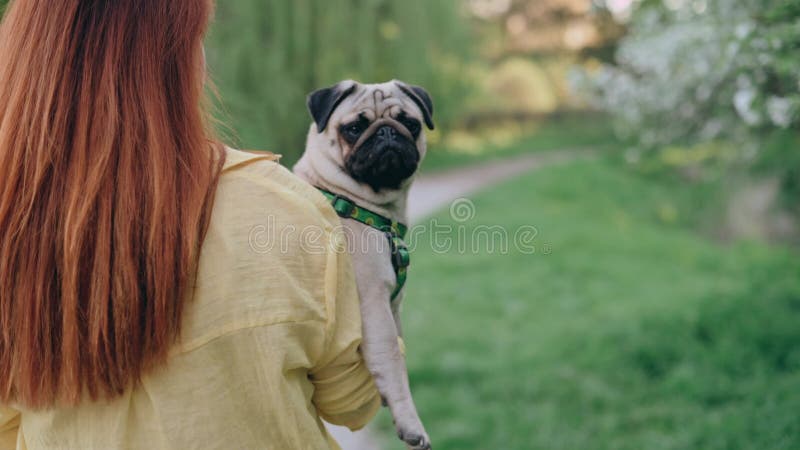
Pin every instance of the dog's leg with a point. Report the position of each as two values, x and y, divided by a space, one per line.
387 365
384 359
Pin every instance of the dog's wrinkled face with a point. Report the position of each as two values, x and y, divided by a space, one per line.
374 130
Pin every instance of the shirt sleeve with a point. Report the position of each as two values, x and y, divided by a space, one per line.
345 392
9 427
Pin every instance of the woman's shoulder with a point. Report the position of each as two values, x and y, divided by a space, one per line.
266 253
257 181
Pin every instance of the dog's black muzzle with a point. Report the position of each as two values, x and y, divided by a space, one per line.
385 159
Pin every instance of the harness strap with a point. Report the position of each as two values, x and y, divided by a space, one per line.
394 230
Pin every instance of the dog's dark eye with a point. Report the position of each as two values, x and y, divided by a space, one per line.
413 125
353 131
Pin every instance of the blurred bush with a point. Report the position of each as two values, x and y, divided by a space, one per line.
700 71
267 55
523 85
527 48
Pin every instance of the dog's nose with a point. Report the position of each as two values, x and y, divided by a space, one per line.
386 132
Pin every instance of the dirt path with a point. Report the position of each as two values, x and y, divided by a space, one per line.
435 191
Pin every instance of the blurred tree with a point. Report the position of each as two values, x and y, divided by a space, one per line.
704 71
541 27
267 55
530 46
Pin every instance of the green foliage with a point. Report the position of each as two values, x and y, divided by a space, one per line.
632 332
716 70
267 55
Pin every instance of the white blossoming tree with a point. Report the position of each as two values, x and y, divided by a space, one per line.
693 71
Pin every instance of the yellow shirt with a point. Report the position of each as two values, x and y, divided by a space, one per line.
269 343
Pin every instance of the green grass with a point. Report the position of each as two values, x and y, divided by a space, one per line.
572 132
622 332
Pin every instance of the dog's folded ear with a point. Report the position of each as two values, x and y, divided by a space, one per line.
421 97
322 103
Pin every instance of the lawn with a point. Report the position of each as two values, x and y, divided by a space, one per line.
623 331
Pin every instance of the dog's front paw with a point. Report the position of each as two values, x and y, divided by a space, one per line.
414 440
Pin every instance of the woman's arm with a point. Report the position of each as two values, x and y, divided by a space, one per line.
345 393
9 427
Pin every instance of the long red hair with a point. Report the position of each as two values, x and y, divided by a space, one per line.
107 176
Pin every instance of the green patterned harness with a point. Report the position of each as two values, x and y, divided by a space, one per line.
394 230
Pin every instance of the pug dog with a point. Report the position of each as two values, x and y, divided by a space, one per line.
363 151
